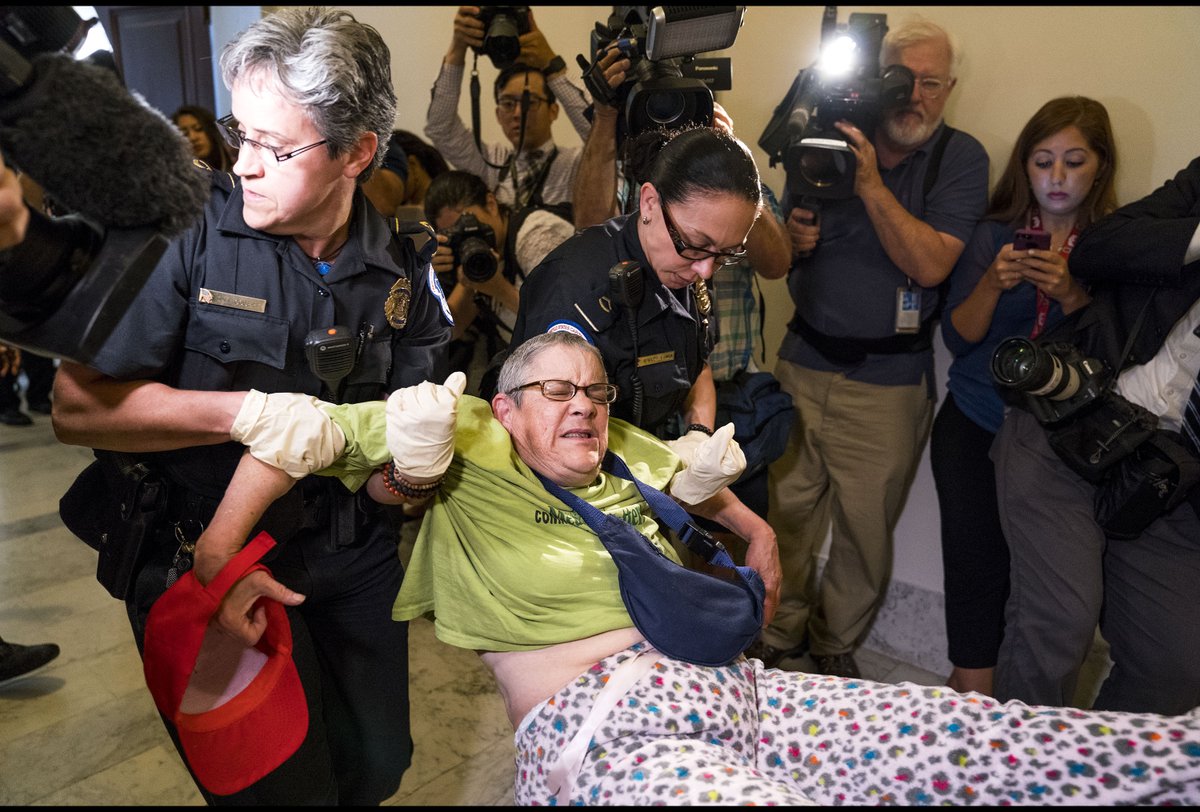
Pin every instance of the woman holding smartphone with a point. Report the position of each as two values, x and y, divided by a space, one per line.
1058 180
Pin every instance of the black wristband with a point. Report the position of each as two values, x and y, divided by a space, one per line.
555 65
698 427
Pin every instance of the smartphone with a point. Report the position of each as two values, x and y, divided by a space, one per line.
1027 238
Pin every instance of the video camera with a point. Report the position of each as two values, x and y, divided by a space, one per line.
845 83
472 243
666 85
1056 380
120 167
503 25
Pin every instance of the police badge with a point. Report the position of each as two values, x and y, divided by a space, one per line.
703 301
396 306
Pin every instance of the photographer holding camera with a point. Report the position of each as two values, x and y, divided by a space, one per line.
484 253
532 80
857 358
1142 263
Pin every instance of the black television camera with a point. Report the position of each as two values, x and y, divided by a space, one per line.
847 83
502 26
666 85
65 287
1055 380
473 243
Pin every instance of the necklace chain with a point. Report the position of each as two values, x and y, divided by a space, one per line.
332 255
324 264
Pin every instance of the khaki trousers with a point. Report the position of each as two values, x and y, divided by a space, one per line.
850 460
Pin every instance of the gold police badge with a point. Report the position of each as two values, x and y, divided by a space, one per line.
396 306
703 301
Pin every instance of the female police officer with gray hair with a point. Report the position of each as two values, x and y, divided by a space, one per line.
287 247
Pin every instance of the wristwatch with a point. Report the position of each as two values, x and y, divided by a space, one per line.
555 65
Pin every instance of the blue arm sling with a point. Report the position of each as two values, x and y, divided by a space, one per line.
697 617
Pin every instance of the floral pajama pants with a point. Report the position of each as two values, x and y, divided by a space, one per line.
744 734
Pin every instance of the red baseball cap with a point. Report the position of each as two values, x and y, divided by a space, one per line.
239 710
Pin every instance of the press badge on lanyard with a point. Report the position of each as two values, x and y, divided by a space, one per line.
908 309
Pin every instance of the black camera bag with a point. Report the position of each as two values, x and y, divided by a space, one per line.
1103 435
1109 429
1151 481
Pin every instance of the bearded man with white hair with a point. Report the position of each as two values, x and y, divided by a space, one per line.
857 356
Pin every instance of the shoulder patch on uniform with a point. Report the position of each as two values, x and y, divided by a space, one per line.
435 287
563 326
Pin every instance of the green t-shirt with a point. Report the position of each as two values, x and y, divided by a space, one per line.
500 563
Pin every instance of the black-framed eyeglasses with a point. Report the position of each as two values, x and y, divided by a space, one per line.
227 126
695 253
510 103
601 393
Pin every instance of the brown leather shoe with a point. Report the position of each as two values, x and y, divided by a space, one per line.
837 665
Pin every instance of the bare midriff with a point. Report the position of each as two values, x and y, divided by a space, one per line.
526 678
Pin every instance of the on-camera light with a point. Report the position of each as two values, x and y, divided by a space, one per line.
689 30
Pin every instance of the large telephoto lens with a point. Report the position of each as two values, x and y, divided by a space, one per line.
478 262
1020 364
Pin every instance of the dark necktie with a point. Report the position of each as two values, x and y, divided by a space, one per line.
1191 418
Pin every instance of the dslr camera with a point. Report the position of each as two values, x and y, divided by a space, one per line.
502 26
666 85
1055 380
846 82
472 243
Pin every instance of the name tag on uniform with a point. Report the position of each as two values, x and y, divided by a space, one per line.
221 299
657 358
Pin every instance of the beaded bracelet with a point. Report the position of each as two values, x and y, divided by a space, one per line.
398 486
698 427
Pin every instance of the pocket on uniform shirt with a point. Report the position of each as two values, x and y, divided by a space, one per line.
230 336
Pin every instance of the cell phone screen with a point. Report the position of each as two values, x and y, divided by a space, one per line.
1027 238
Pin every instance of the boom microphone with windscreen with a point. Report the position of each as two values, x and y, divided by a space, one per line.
104 154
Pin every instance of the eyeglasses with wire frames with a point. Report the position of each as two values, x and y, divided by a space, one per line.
695 253
932 88
510 103
227 126
599 393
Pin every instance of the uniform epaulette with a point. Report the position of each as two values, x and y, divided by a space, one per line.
225 181
422 234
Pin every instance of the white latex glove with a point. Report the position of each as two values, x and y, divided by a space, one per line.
289 431
685 447
420 427
715 464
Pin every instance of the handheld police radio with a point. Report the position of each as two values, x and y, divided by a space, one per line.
331 354
627 286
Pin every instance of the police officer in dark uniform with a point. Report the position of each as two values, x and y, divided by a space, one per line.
287 247
636 285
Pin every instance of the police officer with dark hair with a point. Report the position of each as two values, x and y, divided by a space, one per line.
285 253
635 286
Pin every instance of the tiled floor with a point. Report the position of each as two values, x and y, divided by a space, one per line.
83 731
